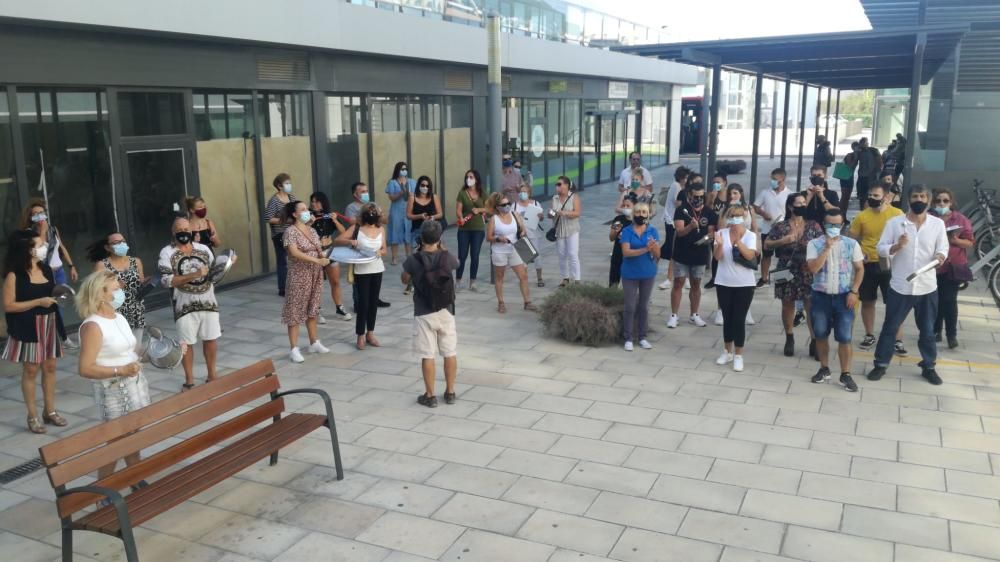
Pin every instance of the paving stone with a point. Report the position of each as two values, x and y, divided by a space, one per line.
722 448
533 464
973 484
784 401
446 427
848 490
962 406
506 415
733 554
406 497
755 476
573 425
765 433
398 466
894 398
254 537
189 520
555 496
698 493
563 555
956 507
484 513
664 462
472 480
544 386
33 518
460 451
260 500
714 392
557 404
316 546
896 527
734 530
568 531
757 383
415 535
728 410
612 478
874 411
478 546
971 441
621 413
518 438
648 384
819 422
389 439
807 460
322 480
785 508
690 423
940 419
495 395
978 540
824 546
945 458
853 445
644 436
637 545
681 404
907 553
637 512
603 393
899 432
898 473
590 449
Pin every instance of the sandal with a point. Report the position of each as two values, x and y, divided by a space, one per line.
372 341
531 307
501 307
541 283
564 283
55 419
187 386
449 397
36 425
360 344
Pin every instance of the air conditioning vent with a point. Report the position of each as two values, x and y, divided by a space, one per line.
505 83
979 62
458 80
284 68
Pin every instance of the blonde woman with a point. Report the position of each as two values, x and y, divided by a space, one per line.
108 354
502 231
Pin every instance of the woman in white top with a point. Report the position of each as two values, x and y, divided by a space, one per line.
734 283
108 353
566 211
367 235
532 214
502 231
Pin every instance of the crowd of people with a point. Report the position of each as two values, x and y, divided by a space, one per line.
713 237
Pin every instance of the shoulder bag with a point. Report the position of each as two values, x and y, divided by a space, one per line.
749 264
551 234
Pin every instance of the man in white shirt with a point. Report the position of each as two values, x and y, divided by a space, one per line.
625 178
668 200
912 241
770 207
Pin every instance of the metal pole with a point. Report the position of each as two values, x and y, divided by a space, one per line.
493 82
758 100
774 116
836 123
911 112
703 124
713 138
826 131
819 110
802 134
784 121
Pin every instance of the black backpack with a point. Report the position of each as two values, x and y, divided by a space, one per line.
437 288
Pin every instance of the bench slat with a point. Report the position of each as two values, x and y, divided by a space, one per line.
77 443
169 457
151 435
184 484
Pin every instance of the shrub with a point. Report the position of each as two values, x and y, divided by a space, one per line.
585 313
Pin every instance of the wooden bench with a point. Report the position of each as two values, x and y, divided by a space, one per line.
244 439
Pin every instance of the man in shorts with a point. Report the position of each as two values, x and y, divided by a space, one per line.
184 267
693 222
433 317
770 207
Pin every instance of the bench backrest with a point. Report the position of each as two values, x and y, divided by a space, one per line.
84 452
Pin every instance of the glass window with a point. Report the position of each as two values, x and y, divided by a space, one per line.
574 24
344 124
570 138
151 113
592 30
425 113
387 114
9 201
553 140
458 112
286 115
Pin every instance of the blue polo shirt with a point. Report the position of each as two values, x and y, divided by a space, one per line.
642 266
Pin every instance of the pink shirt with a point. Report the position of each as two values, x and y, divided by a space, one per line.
958 255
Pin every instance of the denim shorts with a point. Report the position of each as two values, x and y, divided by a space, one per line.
831 312
692 271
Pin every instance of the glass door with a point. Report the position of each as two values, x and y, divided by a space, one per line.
606 150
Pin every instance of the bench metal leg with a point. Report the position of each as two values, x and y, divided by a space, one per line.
336 447
274 458
67 544
131 554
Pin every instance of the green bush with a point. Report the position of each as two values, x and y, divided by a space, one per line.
585 313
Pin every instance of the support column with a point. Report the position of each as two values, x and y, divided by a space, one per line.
836 123
703 126
819 111
784 121
757 101
802 134
493 100
774 116
713 136
911 113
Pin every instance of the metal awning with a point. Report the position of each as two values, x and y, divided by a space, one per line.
845 61
884 14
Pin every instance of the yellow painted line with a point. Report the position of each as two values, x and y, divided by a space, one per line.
943 362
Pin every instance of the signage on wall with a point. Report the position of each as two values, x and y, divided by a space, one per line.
617 90
538 141
557 86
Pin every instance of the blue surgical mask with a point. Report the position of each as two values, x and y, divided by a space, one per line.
942 210
117 299
716 186
39 217
833 231
287 187
404 173
523 196
734 221
774 184
120 249
305 216
363 197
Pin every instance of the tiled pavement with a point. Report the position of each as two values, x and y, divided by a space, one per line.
563 453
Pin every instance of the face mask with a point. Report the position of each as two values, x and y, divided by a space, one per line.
775 184
887 184
942 210
200 213
639 220
833 231
117 299
918 207
816 180
716 186
404 173
370 218
363 197
734 221
304 216
697 201
523 196
874 203
120 249
39 217
41 252
424 190
287 187
627 212
182 237
470 182
504 209
799 211
635 184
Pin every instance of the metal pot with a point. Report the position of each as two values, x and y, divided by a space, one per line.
63 292
162 351
224 261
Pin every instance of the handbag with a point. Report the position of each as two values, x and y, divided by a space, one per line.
523 246
749 264
958 272
842 171
551 234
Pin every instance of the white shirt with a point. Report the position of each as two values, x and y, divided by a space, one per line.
731 274
832 265
529 215
924 244
371 246
117 341
773 203
625 178
501 230
671 205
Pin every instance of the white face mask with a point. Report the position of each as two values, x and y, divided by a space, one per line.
471 182
41 252
287 187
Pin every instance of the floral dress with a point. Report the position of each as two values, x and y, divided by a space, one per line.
793 256
134 309
304 284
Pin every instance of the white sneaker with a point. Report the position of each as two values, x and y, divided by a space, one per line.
296 356
717 318
68 343
628 346
322 320
665 285
672 323
697 321
317 347
645 344
750 320
738 363
726 357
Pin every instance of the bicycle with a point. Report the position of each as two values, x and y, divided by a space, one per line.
983 223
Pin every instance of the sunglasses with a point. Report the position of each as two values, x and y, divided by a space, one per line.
424 185
559 184
940 200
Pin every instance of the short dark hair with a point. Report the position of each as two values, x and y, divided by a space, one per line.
280 179
779 172
887 173
817 168
680 173
430 232
919 188
322 199
634 153
835 212
356 185
721 176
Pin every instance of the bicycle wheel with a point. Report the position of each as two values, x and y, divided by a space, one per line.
994 283
985 242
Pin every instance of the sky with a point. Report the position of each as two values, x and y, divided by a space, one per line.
701 20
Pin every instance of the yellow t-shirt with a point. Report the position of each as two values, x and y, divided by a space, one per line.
867 228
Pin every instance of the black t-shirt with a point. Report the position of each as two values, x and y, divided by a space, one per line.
816 211
685 250
616 249
415 267
324 226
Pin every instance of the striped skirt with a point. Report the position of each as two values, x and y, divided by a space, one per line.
48 345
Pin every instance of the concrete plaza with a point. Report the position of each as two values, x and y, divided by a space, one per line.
564 453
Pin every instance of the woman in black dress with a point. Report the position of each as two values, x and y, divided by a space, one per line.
328 227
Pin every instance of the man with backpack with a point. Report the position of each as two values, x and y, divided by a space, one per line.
431 269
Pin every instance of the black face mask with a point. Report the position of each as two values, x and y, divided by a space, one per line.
697 201
874 203
639 220
887 183
799 211
918 207
816 180
370 219
183 237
